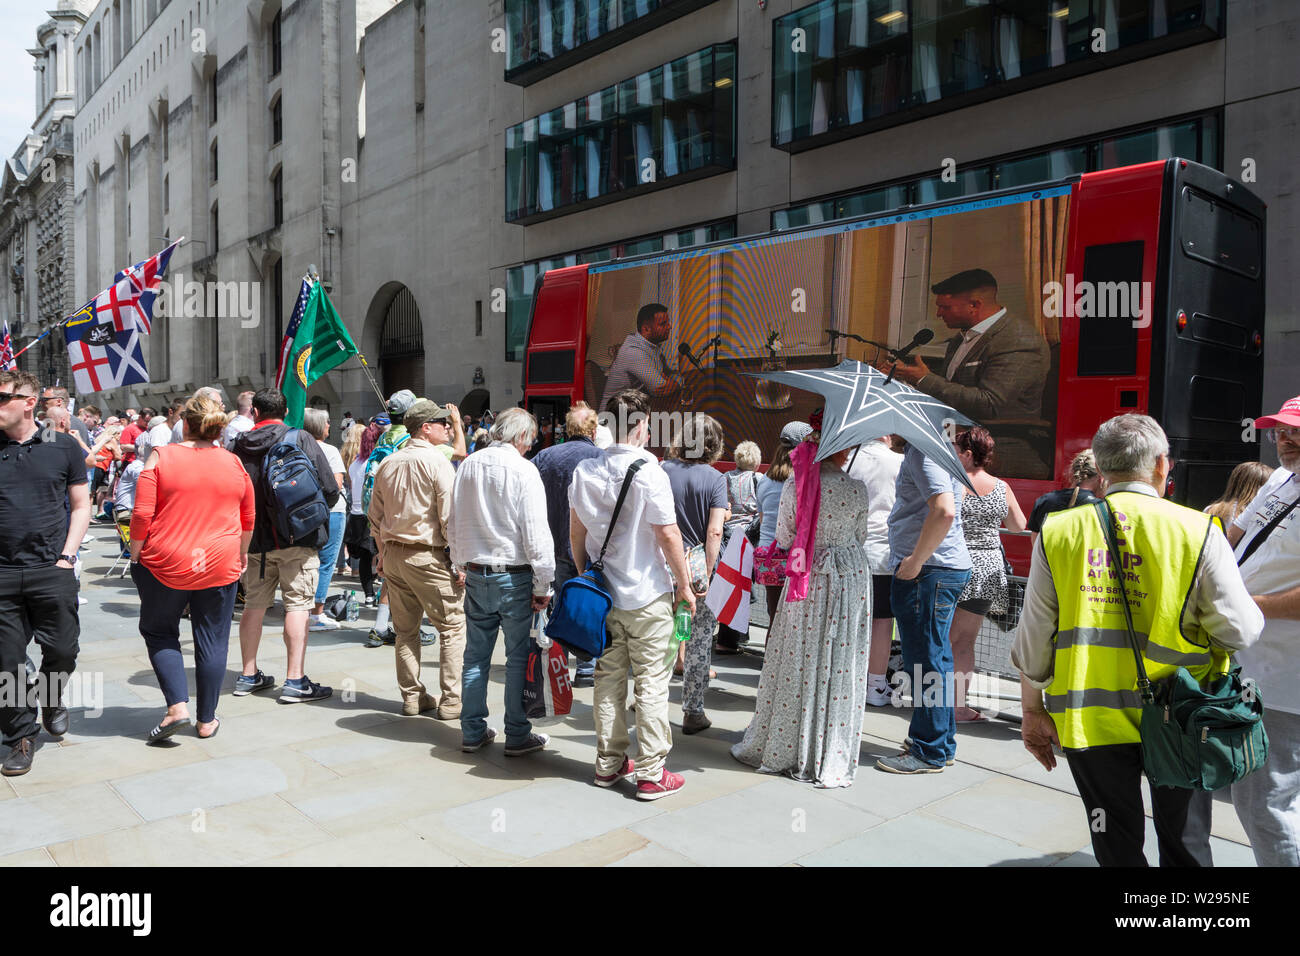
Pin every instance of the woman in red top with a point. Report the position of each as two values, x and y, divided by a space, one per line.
193 518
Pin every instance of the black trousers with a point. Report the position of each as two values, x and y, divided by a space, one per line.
42 602
1110 783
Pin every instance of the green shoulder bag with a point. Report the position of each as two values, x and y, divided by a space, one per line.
1193 737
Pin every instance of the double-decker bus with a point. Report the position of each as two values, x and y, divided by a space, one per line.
1139 289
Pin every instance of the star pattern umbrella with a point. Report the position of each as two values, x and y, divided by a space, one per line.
860 407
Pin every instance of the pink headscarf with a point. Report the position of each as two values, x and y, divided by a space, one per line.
807 508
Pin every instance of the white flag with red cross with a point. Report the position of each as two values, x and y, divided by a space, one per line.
728 596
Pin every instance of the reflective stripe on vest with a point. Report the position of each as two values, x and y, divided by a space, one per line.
1093 695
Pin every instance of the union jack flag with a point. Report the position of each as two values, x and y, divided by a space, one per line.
7 362
103 336
286 344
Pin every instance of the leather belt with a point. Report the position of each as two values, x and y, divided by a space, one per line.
489 569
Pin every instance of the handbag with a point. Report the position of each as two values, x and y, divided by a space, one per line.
578 621
770 565
698 567
1193 738
547 691
1010 618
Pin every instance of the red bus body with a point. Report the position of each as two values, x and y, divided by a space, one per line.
1194 360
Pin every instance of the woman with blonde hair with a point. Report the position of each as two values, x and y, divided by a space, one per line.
813 690
745 518
1086 487
190 530
356 533
1243 484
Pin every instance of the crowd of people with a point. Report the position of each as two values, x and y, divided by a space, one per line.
476 529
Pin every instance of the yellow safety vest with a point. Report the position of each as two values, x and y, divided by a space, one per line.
1093 697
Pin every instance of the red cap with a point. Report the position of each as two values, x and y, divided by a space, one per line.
1288 414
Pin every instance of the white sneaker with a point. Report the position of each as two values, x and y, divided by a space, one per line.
81 600
88 537
880 695
323 623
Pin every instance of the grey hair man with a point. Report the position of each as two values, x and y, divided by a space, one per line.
500 537
207 391
242 421
1078 677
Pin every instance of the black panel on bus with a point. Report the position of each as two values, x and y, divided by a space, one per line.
551 368
1108 343
1207 377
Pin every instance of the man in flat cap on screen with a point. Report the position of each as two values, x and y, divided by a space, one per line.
994 369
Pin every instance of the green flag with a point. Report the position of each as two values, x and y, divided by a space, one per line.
322 343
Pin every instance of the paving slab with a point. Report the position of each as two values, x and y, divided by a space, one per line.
1045 820
58 767
232 835
48 818
608 849
218 781
783 821
652 854
37 857
921 839
389 845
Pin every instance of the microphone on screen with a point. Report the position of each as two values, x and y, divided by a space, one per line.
685 350
921 338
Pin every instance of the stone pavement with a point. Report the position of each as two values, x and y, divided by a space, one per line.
350 781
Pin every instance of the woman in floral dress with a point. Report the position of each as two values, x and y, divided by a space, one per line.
813 689
982 514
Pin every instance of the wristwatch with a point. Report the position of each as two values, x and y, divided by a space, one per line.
70 558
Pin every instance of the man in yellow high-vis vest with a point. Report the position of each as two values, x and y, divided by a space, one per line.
1078 676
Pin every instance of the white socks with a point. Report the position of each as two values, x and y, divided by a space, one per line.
381 620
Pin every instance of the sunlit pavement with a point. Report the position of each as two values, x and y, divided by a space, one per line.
351 781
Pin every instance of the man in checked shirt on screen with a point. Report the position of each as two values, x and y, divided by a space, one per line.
640 362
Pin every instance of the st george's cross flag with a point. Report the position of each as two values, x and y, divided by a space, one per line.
728 596
103 336
7 362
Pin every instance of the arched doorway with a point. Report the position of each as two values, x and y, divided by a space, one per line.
475 403
401 345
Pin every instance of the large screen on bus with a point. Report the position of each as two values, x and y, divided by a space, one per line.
973 273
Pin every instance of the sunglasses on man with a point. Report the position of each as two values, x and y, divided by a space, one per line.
7 397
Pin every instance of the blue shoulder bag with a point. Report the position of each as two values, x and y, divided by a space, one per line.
578 621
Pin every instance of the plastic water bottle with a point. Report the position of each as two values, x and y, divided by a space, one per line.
354 609
682 622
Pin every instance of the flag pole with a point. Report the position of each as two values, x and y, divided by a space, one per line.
383 402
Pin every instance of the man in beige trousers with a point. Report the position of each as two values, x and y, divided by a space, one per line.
410 506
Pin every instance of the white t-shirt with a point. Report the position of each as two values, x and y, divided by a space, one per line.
357 478
336 466
877 465
635 569
238 425
178 431
1274 661
160 435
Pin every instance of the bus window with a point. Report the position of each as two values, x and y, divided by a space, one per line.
550 368
1107 336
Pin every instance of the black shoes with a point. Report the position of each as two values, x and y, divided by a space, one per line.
19 760
55 720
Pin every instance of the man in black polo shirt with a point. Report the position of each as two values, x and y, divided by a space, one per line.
40 470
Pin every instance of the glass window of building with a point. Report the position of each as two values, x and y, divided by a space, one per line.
846 66
545 36
674 120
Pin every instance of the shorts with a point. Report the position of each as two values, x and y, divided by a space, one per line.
881 608
292 569
978 606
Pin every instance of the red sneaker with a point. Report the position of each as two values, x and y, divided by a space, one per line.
668 783
623 773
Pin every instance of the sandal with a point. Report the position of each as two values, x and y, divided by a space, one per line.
725 649
679 671
211 735
977 719
162 732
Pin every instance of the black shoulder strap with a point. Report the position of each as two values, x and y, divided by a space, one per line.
599 563
1108 527
1265 531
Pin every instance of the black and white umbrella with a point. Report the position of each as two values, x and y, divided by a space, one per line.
861 407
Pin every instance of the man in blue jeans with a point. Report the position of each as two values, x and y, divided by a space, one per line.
499 536
556 465
927 551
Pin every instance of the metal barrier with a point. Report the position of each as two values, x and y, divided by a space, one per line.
993 644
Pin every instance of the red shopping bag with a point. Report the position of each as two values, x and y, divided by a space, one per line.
547 690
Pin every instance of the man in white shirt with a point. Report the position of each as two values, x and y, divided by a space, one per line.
499 536
876 465
160 432
1267 540
640 626
242 422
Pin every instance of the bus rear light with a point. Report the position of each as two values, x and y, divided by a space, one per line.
1257 340
1182 320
